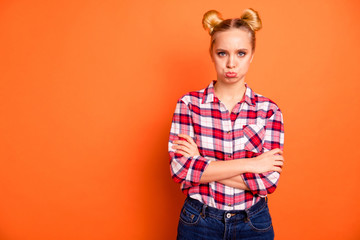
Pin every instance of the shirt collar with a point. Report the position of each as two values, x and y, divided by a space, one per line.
209 95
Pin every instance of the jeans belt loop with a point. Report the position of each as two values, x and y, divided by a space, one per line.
203 211
247 217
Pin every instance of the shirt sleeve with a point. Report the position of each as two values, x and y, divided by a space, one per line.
266 183
184 170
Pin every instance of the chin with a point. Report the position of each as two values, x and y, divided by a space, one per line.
231 80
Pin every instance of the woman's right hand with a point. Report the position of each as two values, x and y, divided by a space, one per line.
269 161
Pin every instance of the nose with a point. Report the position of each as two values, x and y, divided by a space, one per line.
231 62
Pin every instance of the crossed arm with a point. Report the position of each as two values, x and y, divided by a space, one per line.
229 172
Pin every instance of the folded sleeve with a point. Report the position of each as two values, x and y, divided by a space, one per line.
184 170
266 183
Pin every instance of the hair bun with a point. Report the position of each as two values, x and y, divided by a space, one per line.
211 19
251 17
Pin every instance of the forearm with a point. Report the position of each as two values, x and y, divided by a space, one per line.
235 182
221 170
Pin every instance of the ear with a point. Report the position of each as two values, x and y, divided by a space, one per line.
252 56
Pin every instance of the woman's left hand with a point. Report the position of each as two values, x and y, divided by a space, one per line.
187 147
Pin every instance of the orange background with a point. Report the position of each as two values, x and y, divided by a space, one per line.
88 89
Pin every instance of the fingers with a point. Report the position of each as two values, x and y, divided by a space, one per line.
279 163
185 148
185 154
188 138
182 150
278 157
187 145
181 147
275 151
183 143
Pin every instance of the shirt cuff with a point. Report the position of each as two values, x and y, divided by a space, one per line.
197 167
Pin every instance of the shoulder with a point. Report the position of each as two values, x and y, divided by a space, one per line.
266 104
193 97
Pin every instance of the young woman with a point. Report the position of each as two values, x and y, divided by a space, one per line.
226 142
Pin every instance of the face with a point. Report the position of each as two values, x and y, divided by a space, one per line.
232 55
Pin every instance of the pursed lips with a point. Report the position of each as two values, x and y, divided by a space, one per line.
230 74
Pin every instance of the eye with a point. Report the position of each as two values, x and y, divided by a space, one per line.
221 54
241 53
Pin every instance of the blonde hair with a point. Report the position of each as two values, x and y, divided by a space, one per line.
249 21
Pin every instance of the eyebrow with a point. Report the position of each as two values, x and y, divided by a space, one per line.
241 49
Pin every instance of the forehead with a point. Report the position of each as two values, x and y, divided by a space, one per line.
232 39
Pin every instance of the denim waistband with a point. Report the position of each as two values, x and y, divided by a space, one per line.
206 210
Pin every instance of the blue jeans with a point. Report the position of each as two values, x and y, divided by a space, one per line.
199 221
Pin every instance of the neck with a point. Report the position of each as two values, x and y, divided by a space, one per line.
233 91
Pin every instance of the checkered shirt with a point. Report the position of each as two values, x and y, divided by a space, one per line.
253 127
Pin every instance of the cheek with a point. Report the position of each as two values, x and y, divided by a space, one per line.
218 64
246 64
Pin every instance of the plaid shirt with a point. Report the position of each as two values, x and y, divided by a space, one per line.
253 127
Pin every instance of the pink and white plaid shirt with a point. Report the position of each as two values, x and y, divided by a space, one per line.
253 127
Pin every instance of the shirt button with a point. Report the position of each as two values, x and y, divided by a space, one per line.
228 132
229 156
228 215
229 204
